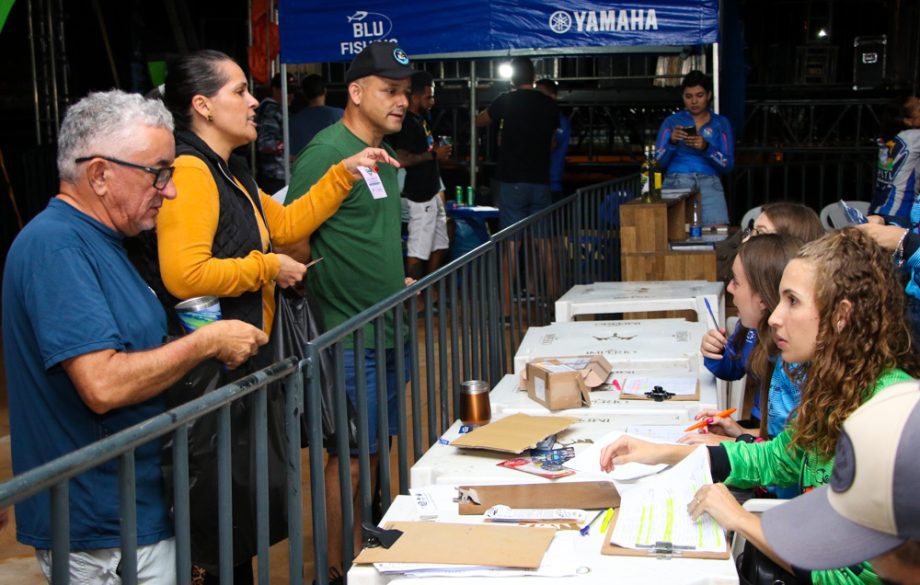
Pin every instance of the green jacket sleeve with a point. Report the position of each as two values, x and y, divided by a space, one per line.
766 463
846 576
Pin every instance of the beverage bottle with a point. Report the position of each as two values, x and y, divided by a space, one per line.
696 223
645 176
458 195
470 196
654 176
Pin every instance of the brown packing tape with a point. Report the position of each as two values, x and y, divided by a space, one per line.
463 544
585 495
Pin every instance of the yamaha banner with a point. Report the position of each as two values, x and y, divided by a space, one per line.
314 32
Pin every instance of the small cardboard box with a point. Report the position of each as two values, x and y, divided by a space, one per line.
565 382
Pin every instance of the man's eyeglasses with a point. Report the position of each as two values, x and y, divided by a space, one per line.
161 176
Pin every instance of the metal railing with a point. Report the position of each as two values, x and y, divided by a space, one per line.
462 322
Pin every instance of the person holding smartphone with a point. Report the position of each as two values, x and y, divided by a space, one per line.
695 146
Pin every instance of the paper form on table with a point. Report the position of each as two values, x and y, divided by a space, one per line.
684 386
658 511
658 433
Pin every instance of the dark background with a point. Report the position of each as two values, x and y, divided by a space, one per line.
788 93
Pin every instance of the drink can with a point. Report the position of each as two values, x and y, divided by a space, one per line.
197 312
696 231
470 196
458 195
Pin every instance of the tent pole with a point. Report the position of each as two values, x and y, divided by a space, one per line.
473 123
286 129
715 78
716 63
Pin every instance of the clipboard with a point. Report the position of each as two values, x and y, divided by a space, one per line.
586 495
519 547
662 549
696 396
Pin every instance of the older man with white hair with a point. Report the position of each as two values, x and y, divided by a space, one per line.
83 334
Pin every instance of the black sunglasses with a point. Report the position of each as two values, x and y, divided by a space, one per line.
161 176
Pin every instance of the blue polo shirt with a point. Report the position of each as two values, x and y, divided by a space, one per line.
718 158
69 289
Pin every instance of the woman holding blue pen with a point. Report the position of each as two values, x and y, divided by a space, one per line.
727 357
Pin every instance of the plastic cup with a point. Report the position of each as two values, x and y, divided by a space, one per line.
197 312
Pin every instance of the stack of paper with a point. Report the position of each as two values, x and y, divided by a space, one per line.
658 511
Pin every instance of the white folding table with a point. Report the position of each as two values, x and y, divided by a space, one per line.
658 295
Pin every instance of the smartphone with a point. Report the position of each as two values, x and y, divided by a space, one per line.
854 215
690 130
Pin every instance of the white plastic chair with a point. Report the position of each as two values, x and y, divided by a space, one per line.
755 506
833 217
734 392
748 220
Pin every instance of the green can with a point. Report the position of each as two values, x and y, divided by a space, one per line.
470 196
458 195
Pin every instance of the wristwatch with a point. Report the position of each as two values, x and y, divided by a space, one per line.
748 438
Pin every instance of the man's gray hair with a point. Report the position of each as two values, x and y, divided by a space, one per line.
105 124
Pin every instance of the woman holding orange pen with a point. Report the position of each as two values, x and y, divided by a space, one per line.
841 316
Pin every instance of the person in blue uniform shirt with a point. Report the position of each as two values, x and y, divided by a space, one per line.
695 146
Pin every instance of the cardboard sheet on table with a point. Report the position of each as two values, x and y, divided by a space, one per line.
584 495
515 433
611 549
695 396
463 544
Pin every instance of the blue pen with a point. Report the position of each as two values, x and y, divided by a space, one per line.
729 352
587 527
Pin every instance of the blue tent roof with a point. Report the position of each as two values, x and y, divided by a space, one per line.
314 31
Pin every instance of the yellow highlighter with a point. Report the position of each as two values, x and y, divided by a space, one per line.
606 520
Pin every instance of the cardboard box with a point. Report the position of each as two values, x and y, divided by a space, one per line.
566 381
515 433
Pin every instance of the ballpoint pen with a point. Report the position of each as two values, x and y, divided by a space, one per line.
729 351
587 527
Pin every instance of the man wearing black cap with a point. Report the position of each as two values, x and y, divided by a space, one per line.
361 244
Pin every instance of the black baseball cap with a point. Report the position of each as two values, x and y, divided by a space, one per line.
381 58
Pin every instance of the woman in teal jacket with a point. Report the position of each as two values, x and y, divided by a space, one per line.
841 316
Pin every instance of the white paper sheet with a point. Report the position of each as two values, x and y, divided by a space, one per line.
658 433
588 462
683 386
658 511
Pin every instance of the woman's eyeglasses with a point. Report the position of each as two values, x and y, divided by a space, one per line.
161 176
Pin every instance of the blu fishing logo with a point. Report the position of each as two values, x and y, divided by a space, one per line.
366 27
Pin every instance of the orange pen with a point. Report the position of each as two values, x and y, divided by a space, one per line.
708 421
